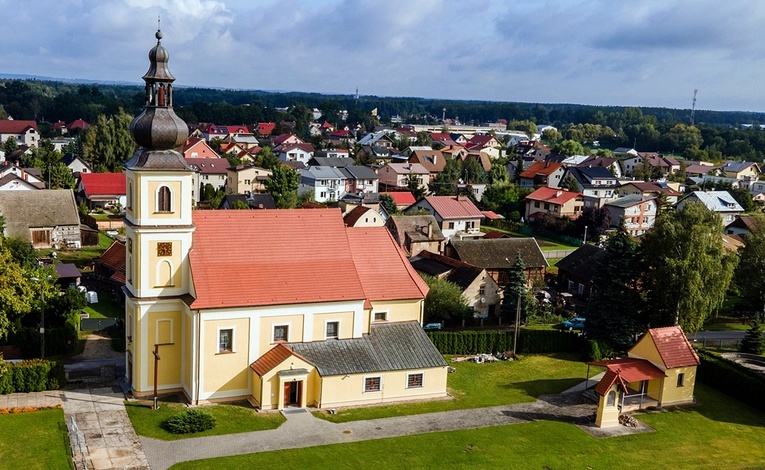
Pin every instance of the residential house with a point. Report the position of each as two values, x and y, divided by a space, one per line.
375 154
432 160
659 370
611 163
362 216
416 233
11 182
637 212
377 139
213 131
577 270
32 176
594 181
332 153
486 143
457 216
360 179
324 182
244 139
196 147
742 225
700 170
342 137
458 151
742 171
246 179
244 324
76 164
286 138
498 255
479 289
443 138
231 148
625 151
542 174
212 171
337 162
720 202
102 190
46 218
24 132
656 162
644 188
110 266
301 152
556 202
402 199
68 275
757 188
265 129
396 175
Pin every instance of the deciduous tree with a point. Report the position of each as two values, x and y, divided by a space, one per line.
750 272
282 184
444 301
687 269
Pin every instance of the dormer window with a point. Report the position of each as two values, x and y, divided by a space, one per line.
164 199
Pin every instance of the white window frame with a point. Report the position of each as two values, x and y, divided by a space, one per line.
326 323
383 312
380 383
422 380
273 332
233 337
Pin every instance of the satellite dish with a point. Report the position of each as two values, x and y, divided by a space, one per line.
483 300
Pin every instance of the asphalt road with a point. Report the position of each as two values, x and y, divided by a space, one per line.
700 335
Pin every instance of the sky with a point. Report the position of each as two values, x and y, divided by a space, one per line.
597 52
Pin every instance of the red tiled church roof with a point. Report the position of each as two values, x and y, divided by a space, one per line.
272 358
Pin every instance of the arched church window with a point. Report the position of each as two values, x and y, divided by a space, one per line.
164 199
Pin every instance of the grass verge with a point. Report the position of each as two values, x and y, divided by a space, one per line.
489 384
106 307
230 418
34 440
718 433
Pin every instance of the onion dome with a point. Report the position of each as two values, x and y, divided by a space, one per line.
158 129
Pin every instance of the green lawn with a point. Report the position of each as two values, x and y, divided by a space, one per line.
718 433
230 418
85 255
490 384
544 243
106 307
34 440
106 216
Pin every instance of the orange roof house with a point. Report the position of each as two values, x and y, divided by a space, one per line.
556 202
101 189
542 173
196 147
660 369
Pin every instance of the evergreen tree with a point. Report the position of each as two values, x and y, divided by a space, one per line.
387 202
753 342
498 174
413 185
615 307
473 171
687 269
516 286
445 183
10 146
570 184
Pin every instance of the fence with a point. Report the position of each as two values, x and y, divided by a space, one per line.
557 254
97 324
717 343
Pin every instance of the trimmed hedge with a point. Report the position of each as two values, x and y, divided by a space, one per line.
190 421
497 341
732 379
34 375
58 340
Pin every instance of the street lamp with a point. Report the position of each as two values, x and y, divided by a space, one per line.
42 314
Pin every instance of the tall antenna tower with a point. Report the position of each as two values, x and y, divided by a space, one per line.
693 106
443 116
357 94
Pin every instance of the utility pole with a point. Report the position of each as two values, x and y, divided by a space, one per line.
693 106
585 236
517 321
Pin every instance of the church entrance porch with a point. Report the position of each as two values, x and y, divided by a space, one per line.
292 383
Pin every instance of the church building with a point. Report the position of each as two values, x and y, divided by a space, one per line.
280 307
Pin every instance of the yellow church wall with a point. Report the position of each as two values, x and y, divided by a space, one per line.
672 393
645 349
164 328
187 352
272 387
349 390
226 371
132 314
156 277
295 330
132 200
320 321
396 311
257 389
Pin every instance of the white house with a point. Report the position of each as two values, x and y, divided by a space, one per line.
457 216
326 183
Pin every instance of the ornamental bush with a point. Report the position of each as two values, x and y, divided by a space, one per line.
190 421
34 375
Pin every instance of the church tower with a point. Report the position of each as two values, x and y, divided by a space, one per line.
158 227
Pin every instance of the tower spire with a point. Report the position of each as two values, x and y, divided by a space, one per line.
158 129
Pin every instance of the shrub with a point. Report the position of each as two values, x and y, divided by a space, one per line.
497 341
33 375
190 421
732 379
597 350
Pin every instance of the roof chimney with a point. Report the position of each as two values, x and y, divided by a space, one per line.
430 230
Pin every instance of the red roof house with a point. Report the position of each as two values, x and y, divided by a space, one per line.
102 189
556 202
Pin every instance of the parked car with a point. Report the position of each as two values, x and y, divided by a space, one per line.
574 324
432 327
